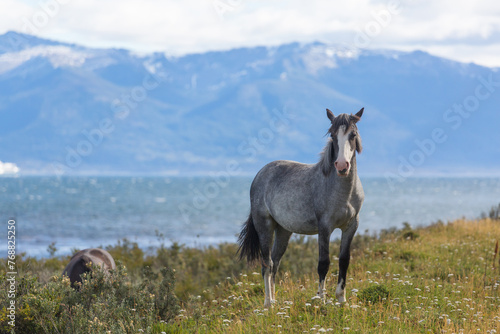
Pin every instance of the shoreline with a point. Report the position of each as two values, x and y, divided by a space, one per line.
151 245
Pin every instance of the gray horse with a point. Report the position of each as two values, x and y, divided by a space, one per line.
289 197
81 262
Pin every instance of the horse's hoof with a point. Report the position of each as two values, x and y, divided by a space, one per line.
340 294
340 297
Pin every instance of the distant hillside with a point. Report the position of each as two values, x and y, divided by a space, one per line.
69 109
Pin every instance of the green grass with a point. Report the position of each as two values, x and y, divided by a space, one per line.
439 279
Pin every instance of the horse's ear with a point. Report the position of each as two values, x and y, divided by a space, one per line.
359 114
330 115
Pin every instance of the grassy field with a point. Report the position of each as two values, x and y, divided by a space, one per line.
439 279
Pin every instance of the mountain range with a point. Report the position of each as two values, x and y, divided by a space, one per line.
67 109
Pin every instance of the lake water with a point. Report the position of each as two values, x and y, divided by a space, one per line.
82 212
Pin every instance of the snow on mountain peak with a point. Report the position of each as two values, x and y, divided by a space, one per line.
58 55
321 56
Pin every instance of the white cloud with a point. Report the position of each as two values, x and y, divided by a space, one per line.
11 14
8 168
463 30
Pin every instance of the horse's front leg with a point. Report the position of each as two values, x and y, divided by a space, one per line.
344 258
324 258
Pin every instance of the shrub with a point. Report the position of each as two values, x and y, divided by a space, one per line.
374 294
105 302
495 212
408 233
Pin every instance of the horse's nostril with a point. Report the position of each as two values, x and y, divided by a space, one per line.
342 166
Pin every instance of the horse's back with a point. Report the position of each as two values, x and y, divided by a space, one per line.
104 256
283 190
277 175
96 256
281 170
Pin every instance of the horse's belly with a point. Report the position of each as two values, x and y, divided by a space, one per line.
304 225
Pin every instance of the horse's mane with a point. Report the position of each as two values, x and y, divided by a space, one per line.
327 157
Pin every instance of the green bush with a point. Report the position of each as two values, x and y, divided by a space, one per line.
374 294
495 212
408 233
105 302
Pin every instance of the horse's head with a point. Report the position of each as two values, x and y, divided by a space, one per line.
345 140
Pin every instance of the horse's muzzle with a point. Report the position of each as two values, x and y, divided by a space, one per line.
343 172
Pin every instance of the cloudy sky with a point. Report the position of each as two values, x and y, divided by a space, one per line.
463 30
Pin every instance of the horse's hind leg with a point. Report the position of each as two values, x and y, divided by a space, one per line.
265 229
281 239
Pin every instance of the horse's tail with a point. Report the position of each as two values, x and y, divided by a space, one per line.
249 242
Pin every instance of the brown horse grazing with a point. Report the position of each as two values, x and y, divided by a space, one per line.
80 264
